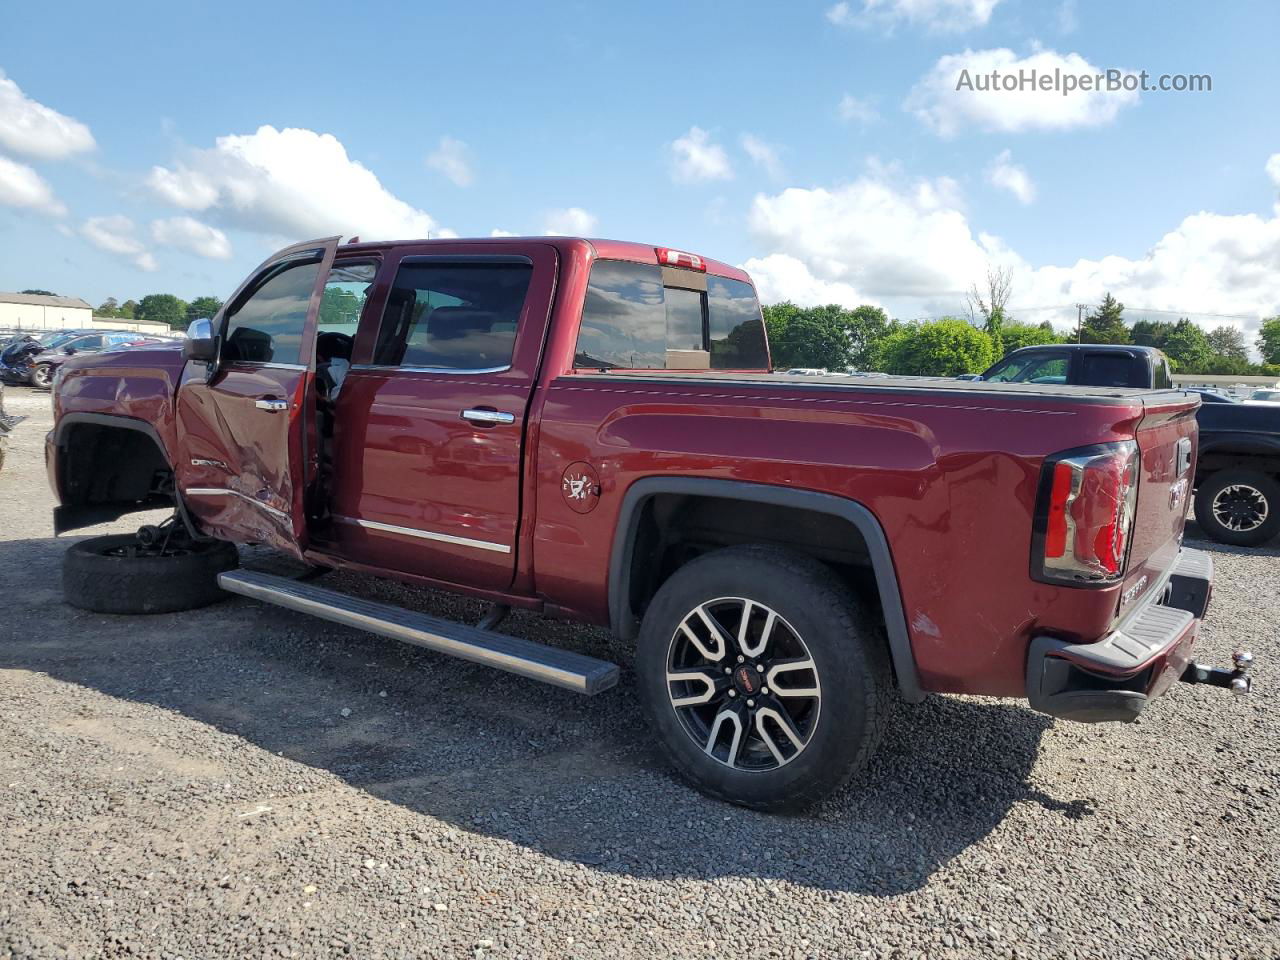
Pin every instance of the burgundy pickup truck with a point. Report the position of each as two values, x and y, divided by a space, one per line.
590 429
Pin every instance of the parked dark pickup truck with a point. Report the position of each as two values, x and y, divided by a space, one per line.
589 429
1237 480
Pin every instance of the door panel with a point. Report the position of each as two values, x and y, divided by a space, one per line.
246 434
418 487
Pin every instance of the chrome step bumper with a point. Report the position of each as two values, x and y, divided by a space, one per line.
560 668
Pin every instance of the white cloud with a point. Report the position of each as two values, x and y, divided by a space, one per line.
570 222
191 235
1007 175
695 156
763 153
889 238
857 109
498 232
1067 21
1273 168
118 235
22 187
290 183
879 235
781 277
941 15
450 159
947 110
31 128
185 188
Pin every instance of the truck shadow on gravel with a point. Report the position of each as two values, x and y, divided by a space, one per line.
575 778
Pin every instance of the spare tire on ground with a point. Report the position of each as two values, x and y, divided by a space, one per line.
117 574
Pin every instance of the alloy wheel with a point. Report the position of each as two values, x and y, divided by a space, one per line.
743 684
1240 507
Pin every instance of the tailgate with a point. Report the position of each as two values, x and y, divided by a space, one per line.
1167 443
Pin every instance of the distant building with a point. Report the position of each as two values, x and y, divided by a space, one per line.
28 311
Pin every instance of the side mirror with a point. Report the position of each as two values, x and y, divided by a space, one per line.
69 351
201 345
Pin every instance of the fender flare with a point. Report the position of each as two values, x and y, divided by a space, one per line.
623 620
1243 443
65 518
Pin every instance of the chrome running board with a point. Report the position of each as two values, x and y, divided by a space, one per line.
560 668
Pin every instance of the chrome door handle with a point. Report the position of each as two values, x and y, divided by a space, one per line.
275 406
489 417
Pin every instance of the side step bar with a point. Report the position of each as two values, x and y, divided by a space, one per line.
560 668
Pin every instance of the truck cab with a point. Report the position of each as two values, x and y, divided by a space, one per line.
1091 365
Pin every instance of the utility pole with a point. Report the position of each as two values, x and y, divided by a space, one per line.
1080 322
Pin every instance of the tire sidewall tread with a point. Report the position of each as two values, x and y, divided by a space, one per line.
93 580
1265 484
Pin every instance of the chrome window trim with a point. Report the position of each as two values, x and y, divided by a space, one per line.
424 534
265 365
225 492
448 371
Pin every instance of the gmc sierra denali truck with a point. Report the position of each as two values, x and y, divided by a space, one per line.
590 429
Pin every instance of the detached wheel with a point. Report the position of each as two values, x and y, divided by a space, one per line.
118 574
42 376
764 677
1240 507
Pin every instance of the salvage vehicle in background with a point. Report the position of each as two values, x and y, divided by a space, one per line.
590 429
1237 477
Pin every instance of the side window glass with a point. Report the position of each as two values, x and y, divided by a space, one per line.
1106 370
1046 370
267 327
453 314
1011 370
735 326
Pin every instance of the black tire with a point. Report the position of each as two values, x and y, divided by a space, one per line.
844 642
42 376
97 575
1255 493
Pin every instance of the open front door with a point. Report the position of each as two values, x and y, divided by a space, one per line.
246 425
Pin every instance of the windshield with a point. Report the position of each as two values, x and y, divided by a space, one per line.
1266 395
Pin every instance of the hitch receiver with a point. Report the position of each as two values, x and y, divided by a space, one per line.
1237 680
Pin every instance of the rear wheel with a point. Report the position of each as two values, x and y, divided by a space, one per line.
42 376
129 573
764 677
1240 507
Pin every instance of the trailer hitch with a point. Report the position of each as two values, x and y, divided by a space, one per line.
1237 680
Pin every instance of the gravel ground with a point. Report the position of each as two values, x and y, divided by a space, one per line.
244 782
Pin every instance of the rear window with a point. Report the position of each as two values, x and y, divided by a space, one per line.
638 316
1106 370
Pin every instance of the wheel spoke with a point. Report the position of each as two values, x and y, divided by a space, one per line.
726 716
784 724
793 666
709 680
744 631
717 632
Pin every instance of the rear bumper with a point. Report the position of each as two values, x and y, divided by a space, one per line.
1117 676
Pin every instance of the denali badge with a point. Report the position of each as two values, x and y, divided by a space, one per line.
1133 591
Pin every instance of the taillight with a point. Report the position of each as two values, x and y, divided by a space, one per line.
678 258
1084 515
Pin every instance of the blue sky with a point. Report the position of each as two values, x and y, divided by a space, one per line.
820 145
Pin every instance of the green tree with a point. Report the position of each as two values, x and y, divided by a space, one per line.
1151 333
805 338
1226 341
128 309
163 307
865 326
939 348
108 308
1016 335
1188 347
338 306
203 308
1106 324
1269 340
40 293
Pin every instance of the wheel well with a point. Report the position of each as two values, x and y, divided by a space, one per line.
675 528
667 521
1216 461
105 471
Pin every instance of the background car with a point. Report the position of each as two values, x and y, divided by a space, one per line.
1268 396
45 364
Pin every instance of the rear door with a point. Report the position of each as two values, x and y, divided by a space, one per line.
246 433
430 422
